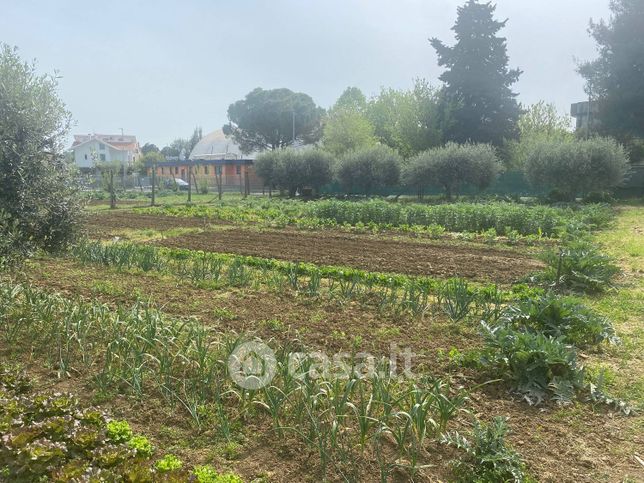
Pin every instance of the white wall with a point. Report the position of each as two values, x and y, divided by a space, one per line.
83 154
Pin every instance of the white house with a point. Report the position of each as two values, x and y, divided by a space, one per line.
90 149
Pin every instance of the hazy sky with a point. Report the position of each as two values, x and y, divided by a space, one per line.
157 69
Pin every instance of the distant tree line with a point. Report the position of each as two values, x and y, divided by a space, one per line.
572 167
468 130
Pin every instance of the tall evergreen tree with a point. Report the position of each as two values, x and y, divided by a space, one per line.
616 78
480 101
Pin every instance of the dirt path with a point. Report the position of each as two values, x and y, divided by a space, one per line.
441 259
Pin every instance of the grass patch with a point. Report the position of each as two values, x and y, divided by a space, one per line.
624 241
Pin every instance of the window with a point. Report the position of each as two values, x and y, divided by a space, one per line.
219 170
86 157
101 146
238 169
205 170
102 157
176 170
161 170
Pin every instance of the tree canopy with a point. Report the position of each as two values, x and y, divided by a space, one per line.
346 127
149 148
577 167
538 122
452 166
291 170
479 98
274 119
351 99
616 78
175 148
407 120
368 169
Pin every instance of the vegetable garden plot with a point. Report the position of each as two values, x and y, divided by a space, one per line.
367 253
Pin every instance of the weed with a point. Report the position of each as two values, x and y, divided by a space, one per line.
275 325
224 314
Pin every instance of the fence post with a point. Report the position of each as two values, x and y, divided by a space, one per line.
154 181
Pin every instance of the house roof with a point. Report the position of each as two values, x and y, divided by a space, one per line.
202 162
216 145
75 146
120 142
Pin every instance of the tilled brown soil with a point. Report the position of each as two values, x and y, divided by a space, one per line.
441 259
111 223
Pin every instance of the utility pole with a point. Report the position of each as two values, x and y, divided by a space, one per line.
112 190
182 158
241 179
189 182
154 180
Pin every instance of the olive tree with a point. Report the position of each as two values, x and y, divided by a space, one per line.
265 167
289 174
38 193
577 167
291 170
316 166
369 169
452 166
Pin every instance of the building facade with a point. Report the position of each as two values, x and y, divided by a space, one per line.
91 149
215 159
585 114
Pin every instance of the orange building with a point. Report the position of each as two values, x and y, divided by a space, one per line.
233 173
215 158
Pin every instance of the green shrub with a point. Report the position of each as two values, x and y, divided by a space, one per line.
368 170
292 170
579 266
488 459
13 248
576 167
537 366
599 197
38 194
453 166
559 317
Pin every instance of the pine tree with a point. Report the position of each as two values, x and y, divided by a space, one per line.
481 105
616 78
